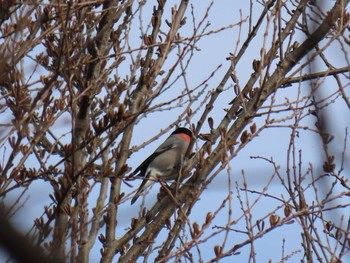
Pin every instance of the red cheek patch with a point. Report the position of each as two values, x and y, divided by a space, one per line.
184 137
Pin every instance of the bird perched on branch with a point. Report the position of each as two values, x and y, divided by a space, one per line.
165 162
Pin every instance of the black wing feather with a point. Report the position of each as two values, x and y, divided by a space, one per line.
143 166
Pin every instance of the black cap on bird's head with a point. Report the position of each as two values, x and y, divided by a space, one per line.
183 130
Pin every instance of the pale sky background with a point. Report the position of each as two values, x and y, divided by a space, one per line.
214 51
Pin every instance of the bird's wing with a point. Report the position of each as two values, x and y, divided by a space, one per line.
166 146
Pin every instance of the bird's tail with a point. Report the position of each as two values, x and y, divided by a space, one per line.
136 196
145 184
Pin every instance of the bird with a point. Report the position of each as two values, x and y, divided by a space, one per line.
165 162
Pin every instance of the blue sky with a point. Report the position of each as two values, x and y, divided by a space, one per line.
271 143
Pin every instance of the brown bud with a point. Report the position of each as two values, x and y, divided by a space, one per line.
253 128
133 223
329 226
209 218
196 229
256 65
211 122
274 219
244 137
205 136
287 210
217 250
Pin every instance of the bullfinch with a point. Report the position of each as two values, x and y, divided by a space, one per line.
165 162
